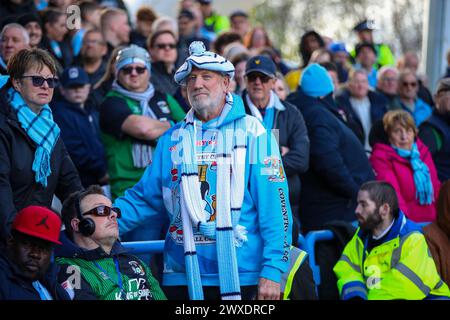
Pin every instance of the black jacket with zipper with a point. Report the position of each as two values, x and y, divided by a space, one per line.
18 187
293 135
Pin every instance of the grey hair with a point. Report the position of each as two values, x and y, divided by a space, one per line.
385 69
171 22
24 31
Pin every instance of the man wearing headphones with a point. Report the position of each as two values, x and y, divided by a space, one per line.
94 265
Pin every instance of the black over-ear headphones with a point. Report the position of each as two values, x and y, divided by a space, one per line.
86 226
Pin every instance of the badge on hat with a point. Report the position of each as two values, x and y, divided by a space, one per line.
73 73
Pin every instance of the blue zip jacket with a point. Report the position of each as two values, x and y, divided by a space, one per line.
265 212
80 132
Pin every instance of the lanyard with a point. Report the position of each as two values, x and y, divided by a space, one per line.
119 283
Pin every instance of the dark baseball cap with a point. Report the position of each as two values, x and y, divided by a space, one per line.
186 14
204 1
74 76
364 25
262 64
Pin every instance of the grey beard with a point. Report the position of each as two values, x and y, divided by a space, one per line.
205 108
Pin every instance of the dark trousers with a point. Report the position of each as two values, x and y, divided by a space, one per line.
209 293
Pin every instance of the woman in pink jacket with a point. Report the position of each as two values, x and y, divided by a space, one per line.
406 163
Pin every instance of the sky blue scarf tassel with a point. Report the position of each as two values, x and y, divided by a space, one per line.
41 165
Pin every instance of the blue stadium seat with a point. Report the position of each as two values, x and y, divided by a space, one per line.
302 242
144 247
311 239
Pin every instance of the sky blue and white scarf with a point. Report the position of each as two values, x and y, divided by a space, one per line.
230 157
422 179
269 116
41 129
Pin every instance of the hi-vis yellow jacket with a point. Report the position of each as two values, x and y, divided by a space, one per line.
401 267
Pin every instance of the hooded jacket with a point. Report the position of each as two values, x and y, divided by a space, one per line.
80 132
437 234
100 273
390 167
13 286
18 188
265 211
338 165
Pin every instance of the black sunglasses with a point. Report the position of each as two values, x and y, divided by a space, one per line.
103 211
253 76
409 84
38 81
166 45
129 70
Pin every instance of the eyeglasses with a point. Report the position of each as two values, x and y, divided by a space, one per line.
103 211
99 42
253 76
409 84
38 81
129 70
165 45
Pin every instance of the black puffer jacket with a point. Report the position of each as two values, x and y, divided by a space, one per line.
338 165
18 188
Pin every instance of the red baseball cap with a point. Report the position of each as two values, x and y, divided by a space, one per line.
38 222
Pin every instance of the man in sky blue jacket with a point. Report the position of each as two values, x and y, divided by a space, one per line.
218 175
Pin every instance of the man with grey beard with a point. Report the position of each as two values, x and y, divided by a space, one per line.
218 176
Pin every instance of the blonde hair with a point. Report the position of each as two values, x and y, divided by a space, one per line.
400 117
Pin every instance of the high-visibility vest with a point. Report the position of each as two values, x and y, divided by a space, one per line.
296 258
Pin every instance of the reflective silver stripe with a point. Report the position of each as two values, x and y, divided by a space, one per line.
358 247
408 273
395 258
439 285
354 266
347 291
294 253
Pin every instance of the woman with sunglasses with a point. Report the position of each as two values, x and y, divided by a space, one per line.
34 164
406 163
162 46
409 101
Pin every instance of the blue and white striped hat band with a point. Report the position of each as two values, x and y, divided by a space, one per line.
202 59
133 54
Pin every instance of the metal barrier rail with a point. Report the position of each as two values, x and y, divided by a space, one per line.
142 247
307 244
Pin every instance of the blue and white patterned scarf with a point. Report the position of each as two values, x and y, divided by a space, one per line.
230 157
422 179
41 129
